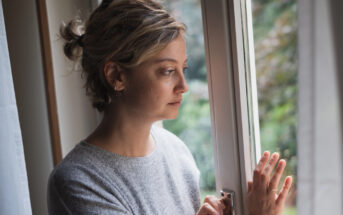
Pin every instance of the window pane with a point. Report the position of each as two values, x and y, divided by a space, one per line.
193 124
275 36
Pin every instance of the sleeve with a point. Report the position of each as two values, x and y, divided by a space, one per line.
70 195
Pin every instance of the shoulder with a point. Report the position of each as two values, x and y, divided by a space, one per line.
78 185
75 164
73 171
80 170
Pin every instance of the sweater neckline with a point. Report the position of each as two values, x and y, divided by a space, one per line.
102 151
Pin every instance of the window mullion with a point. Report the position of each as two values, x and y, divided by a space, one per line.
226 65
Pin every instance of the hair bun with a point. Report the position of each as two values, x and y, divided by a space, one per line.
73 40
80 40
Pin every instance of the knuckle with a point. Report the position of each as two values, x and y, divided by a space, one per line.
264 177
266 170
257 172
207 198
279 169
286 187
207 205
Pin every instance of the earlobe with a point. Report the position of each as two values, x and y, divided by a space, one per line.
114 75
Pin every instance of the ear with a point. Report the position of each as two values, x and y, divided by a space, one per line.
115 76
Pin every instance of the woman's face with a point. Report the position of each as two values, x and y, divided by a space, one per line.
155 89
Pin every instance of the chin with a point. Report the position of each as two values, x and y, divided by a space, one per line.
170 116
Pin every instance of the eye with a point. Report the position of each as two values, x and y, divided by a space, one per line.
167 71
185 70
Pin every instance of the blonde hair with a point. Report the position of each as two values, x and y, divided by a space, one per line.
127 32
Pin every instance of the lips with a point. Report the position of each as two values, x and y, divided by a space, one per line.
178 102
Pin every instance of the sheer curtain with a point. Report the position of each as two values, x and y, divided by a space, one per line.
14 192
337 25
320 154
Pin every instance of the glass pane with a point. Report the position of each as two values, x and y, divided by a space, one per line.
193 124
274 39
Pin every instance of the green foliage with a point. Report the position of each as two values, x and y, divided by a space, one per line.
275 35
290 211
276 67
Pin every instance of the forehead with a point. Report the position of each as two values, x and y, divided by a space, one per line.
176 50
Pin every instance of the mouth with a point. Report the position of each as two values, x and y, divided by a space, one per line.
176 103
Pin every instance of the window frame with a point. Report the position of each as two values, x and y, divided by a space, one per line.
232 85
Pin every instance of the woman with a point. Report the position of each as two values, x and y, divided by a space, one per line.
133 56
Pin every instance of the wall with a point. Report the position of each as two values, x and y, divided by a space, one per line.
76 116
27 70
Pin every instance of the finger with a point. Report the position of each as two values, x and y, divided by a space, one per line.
265 176
284 192
206 209
271 164
259 168
214 202
249 186
274 182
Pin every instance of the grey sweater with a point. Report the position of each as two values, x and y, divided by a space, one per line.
91 180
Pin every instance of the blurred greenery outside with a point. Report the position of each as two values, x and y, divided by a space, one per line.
275 31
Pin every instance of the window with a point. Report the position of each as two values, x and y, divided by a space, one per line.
234 73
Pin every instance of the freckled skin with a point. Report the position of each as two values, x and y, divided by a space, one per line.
149 90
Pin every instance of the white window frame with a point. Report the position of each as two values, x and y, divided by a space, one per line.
229 46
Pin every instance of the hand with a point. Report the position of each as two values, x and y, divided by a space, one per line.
263 198
212 206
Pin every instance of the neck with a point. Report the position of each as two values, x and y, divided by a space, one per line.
123 133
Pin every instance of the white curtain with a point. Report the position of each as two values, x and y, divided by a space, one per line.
336 22
14 192
320 154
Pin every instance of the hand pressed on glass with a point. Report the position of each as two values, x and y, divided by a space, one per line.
263 197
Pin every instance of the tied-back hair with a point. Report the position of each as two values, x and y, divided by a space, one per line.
127 32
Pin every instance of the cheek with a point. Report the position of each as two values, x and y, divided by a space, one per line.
158 94
149 94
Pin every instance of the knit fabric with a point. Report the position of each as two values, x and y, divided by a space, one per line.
91 180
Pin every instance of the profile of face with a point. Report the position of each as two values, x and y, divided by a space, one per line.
153 91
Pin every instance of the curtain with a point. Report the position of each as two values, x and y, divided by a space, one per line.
320 109
337 25
14 192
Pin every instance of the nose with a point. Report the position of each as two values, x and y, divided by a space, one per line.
182 86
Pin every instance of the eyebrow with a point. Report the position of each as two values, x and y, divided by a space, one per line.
167 59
